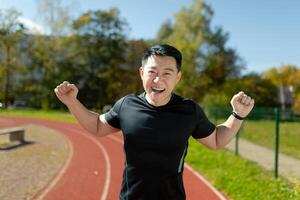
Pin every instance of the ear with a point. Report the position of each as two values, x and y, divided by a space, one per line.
178 77
141 72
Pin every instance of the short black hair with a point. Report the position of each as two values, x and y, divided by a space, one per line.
163 50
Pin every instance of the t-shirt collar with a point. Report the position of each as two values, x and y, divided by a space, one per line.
143 96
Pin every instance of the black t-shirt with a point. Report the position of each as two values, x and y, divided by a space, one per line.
155 144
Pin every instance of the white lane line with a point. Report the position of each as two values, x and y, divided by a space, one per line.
188 167
106 158
60 173
113 137
208 184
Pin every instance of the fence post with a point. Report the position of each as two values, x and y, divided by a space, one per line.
277 121
237 136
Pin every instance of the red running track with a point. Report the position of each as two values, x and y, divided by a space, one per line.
93 170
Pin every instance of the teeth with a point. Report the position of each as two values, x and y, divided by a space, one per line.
158 89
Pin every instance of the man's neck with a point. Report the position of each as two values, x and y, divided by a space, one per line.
157 104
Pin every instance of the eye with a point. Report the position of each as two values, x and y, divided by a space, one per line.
167 74
151 72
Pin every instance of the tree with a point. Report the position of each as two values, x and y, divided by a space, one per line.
165 31
187 34
10 32
216 61
127 71
263 91
56 16
101 46
50 60
207 62
286 76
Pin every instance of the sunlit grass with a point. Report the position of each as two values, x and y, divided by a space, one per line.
239 178
33 113
262 132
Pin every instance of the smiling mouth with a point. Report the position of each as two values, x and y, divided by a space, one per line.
157 90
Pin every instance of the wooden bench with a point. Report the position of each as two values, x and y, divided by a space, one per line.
15 133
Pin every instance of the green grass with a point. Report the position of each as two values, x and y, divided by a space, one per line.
50 115
239 178
263 132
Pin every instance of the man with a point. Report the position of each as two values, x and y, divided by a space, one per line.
156 126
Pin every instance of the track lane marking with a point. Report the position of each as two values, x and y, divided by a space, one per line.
106 158
61 172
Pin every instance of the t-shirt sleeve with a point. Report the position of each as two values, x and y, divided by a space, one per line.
203 126
113 115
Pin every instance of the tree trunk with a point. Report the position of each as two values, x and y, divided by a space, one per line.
7 73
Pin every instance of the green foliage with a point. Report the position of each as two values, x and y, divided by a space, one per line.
49 62
216 61
296 104
286 76
92 58
127 71
216 99
187 35
207 62
101 44
10 32
261 90
165 31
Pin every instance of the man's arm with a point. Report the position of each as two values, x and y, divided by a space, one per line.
89 120
222 135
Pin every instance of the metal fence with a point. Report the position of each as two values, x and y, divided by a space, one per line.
218 112
272 114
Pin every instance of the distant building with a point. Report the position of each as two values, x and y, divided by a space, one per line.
285 97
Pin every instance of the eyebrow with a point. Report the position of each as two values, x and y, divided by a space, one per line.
167 68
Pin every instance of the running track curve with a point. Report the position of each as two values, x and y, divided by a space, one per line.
93 170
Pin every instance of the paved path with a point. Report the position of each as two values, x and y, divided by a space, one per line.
94 168
288 166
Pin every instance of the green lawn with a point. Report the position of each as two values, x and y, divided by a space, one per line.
50 115
263 132
239 178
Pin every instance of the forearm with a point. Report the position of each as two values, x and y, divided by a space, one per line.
87 119
226 131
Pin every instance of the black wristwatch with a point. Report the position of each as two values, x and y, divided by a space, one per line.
237 116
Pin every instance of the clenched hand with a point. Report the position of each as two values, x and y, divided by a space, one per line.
66 92
242 104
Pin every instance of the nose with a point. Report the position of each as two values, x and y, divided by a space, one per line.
156 79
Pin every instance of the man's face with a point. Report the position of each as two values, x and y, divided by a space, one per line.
159 76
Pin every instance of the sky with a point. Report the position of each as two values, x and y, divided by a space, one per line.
265 33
